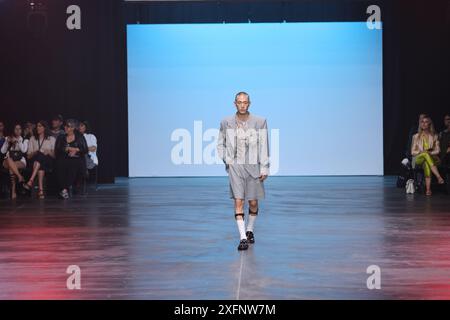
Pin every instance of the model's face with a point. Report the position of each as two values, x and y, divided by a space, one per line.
447 122
17 131
82 128
40 128
425 124
242 104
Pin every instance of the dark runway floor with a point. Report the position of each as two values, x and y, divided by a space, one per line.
176 238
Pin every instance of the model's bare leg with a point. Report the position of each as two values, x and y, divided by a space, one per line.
253 206
239 207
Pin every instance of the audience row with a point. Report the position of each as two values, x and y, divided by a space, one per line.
69 150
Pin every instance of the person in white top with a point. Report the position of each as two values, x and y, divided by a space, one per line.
91 143
15 147
41 152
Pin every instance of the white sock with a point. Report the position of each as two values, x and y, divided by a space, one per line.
251 222
241 227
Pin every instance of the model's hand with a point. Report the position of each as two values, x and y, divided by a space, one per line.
263 177
448 150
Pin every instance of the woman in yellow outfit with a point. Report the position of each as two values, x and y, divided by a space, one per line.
425 149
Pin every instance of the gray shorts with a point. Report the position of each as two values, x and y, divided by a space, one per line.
243 185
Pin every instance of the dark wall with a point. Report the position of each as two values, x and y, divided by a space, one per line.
82 74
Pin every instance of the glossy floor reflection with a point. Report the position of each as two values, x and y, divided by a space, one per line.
175 238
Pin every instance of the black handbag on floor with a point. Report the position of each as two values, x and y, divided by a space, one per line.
401 181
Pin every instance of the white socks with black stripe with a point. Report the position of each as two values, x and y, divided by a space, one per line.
251 222
241 228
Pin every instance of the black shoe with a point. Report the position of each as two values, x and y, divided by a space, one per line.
243 245
250 237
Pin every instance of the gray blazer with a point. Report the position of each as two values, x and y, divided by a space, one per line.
253 152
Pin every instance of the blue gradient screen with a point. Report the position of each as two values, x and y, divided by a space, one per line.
319 85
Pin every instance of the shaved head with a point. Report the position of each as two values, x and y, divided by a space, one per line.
242 93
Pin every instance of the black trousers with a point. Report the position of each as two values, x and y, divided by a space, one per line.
68 170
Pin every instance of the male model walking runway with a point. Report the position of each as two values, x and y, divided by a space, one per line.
243 147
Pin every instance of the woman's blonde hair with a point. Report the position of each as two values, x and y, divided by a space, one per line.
432 130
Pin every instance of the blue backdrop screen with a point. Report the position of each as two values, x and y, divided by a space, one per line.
319 85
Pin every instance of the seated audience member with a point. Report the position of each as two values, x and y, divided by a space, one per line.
2 133
57 122
91 140
41 152
14 148
425 150
412 131
70 150
444 141
28 130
